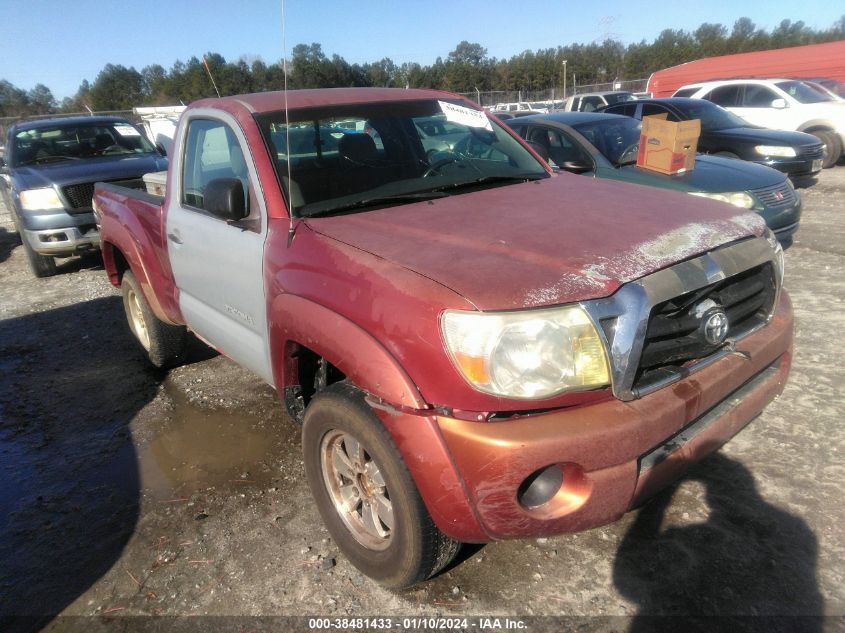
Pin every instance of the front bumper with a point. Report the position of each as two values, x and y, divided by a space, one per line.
784 221
613 454
63 241
794 167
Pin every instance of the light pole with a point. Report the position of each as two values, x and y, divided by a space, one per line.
564 79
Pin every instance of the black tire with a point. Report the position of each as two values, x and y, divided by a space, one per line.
163 343
16 221
832 147
414 549
41 265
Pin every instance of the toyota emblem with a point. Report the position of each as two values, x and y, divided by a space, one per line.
714 326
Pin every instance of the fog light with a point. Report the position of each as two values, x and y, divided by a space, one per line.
540 486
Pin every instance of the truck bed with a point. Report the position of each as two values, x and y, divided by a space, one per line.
131 221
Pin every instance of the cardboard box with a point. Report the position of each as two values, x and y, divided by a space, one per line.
666 146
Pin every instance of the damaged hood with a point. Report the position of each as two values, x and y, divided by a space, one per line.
558 240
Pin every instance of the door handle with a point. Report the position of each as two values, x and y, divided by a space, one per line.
173 237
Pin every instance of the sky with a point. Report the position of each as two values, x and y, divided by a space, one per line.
60 43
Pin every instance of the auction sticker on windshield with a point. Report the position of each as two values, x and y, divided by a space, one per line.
126 130
465 116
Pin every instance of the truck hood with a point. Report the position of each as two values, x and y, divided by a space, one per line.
69 172
553 241
712 174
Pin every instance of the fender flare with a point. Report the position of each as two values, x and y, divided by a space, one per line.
136 264
344 344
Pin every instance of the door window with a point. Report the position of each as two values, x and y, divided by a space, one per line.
758 96
625 109
650 109
726 96
561 147
212 151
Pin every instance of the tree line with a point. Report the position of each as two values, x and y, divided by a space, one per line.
466 69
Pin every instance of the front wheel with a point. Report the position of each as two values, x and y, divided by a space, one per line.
832 147
163 343
41 265
366 495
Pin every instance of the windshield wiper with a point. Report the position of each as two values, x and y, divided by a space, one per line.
47 159
377 200
490 179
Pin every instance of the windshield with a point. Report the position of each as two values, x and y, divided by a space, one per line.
78 142
619 97
713 118
617 138
357 157
803 93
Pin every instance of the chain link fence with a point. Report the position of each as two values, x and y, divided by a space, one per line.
551 96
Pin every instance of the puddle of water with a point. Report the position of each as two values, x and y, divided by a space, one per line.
198 448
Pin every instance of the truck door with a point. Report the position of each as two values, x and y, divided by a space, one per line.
218 265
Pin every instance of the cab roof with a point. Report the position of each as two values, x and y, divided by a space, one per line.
261 102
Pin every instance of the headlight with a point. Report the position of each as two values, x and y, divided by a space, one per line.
36 199
532 355
738 199
775 150
778 259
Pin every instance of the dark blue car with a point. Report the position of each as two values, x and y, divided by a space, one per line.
800 156
49 170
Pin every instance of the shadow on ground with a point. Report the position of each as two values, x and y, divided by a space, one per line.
71 381
8 242
749 567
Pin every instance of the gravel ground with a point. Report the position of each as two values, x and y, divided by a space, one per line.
128 491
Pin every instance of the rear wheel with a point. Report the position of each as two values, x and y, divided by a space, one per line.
366 495
164 344
41 265
832 147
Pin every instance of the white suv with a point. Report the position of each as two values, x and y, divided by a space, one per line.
780 104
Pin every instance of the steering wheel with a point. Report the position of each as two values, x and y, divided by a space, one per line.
473 148
633 148
113 149
437 165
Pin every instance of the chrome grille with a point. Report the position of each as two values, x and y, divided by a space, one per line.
673 338
811 151
733 275
79 196
781 195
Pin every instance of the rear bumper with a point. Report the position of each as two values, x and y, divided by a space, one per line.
613 454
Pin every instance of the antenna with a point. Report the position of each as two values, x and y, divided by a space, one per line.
208 70
291 226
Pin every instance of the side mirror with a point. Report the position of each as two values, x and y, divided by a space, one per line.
577 166
224 197
542 150
161 149
780 104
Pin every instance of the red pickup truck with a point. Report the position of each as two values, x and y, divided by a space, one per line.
477 348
